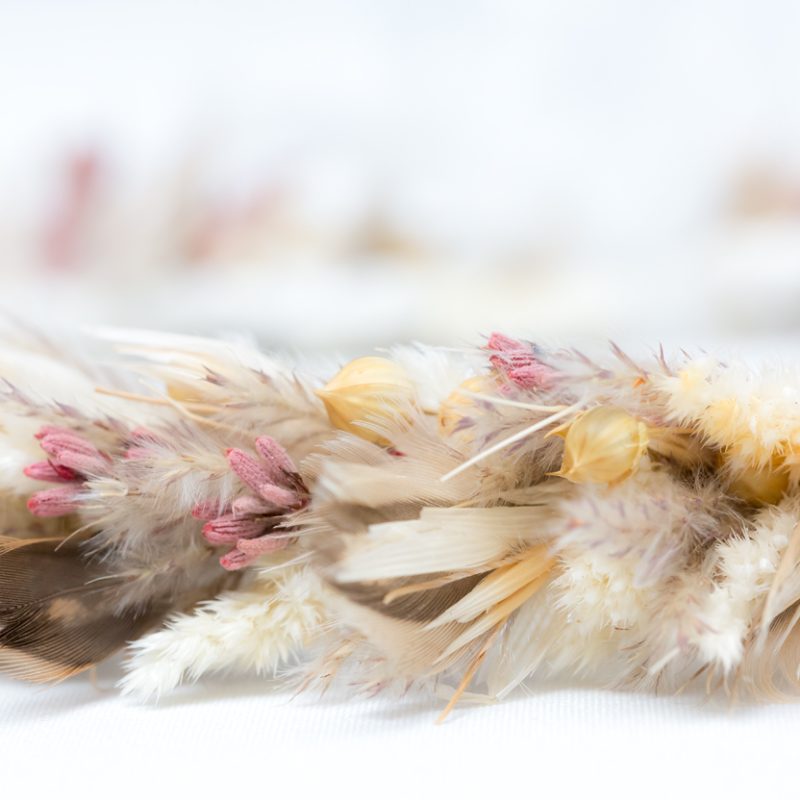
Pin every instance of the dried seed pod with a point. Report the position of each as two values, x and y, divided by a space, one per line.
367 389
602 445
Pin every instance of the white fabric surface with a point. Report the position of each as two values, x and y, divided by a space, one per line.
236 735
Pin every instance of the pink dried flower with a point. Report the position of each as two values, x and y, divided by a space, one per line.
45 471
517 361
248 469
248 550
279 497
251 522
46 430
72 460
53 502
248 504
73 452
275 457
229 528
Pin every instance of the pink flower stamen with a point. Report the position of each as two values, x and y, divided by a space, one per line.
276 458
46 471
517 361
72 459
248 469
250 506
47 430
229 528
281 498
234 560
252 519
53 502
74 452
248 550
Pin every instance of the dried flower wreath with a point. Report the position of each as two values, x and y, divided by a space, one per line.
451 516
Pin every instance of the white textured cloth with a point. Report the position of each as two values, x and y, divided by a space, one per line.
236 735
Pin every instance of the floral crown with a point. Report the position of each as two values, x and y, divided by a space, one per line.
465 518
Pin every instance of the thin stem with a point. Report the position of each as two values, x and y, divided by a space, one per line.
470 673
525 432
178 405
502 401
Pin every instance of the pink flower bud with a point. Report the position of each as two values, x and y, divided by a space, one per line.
250 506
503 344
270 543
516 360
533 376
234 560
74 452
67 440
46 430
248 469
281 498
511 353
45 471
228 528
248 550
278 461
53 502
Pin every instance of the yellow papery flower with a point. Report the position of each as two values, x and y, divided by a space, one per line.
365 390
603 445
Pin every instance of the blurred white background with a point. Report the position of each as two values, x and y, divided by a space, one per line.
343 174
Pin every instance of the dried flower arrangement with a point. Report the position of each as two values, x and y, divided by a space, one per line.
469 518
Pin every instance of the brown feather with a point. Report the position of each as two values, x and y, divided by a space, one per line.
57 611
416 606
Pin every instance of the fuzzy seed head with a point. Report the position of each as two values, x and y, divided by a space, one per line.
760 486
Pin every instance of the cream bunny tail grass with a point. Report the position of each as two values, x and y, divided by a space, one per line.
471 518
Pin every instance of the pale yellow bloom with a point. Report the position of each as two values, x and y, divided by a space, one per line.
603 445
366 390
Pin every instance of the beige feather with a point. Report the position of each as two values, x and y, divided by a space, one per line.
442 539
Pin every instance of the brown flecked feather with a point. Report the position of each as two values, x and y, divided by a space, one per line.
57 614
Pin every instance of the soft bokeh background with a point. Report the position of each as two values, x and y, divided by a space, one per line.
337 175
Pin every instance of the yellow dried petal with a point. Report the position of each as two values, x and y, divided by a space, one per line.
365 390
603 445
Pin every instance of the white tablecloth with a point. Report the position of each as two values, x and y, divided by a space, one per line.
234 735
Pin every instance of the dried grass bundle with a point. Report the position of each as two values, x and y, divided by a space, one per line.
471 518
